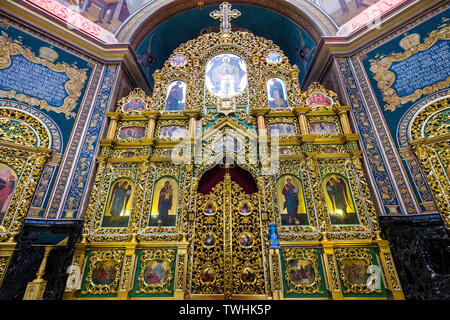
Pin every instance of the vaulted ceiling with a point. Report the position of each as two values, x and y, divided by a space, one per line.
157 46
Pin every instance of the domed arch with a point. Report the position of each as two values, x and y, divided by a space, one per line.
142 22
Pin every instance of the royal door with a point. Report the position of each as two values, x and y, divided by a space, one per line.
228 249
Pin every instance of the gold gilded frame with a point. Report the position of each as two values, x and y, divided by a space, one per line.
304 254
97 256
153 254
354 254
73 87
18 152
411 45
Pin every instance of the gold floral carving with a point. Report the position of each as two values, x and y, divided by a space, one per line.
73 87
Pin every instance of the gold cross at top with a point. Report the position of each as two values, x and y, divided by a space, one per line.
225 14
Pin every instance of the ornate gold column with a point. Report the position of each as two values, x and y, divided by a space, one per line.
152 117
301 115
343 116
115 117
331 269
275 274
193 115
260 113
181 276
387 262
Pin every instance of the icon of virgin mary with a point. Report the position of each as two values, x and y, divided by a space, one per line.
165 202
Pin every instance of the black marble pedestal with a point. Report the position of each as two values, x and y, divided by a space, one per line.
27 258
420 246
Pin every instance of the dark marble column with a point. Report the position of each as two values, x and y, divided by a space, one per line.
421 249
27 258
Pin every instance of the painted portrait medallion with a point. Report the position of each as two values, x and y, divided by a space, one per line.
248 276
245 207
208 240
178 61
208 275
273 57
318 99
156 272
135 104
210 208
246 239
226 75
104 272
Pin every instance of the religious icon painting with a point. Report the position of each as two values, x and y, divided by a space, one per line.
226 75
273 57
164 203
291 201
128 154
248 276
172 132
285 151
276 93
329 150
246 239
323 128
300 271
282 129
245 208
8 184
178 61
355 271
208 240
156 273
319 99
135 104
210 208
176 96
339 199
118 208
105 272
227 143
208 275
132 132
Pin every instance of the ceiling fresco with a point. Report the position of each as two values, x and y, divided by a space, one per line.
156 48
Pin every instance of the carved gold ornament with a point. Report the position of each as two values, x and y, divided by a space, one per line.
73 87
